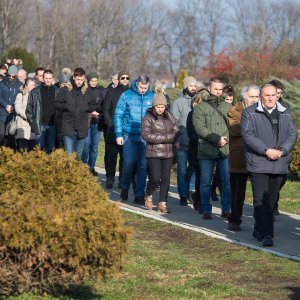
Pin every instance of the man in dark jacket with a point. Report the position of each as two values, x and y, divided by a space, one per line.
40 112
90 150
111 148
9 88
270 135
75 103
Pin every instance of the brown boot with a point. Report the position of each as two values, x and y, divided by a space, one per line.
162 207
148 202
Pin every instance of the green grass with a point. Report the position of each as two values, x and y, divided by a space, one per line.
168 262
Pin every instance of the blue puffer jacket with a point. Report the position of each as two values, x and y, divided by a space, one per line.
8 95
130 110
259 135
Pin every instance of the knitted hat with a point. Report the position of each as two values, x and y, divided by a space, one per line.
159 99
64 79
91 75
12 70
122 73
189 80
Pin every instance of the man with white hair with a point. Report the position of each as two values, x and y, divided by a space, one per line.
22 74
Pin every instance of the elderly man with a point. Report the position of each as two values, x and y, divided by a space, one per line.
22 74
270 135
237 162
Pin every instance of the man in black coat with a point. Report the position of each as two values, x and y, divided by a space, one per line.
111 148
75 103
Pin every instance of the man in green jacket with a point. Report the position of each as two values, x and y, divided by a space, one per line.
210 122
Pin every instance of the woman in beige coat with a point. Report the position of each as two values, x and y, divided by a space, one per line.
24 137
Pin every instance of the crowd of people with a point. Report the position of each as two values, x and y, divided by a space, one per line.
214 143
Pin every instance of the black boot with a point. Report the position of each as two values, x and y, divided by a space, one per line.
110 182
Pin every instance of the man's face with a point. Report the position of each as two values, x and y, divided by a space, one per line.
48 79
11 77
39 76
269 97
79 80
93 82
15 61
251 97
142 87
192 88
115 82
216 88
21 76
3 72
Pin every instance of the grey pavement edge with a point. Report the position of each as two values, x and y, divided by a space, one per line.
286 227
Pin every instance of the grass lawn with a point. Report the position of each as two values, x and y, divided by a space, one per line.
168 262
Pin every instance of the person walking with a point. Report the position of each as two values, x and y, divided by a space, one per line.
160 131
270 134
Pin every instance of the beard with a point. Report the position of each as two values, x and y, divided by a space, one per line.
191 93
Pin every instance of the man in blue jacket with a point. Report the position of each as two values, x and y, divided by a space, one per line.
270 135
9 89
130 110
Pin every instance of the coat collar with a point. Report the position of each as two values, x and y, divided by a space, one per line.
280 107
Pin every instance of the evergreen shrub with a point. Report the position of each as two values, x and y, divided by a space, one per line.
57 227
295 163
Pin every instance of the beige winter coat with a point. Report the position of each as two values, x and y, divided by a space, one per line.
23 127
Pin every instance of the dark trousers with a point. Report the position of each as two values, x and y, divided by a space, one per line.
9 140
238 183
159 172
265 189
112 150
25 145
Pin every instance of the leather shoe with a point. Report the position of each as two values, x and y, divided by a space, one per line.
183 201
139 200
267 241
234 227
124 195
206 216
225 215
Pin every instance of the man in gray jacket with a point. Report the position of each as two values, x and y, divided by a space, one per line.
180 108
270 135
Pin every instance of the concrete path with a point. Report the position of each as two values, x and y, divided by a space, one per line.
286 231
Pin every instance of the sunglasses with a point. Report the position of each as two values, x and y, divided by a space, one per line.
125 78
11 75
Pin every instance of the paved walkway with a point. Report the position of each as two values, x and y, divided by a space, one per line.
286 231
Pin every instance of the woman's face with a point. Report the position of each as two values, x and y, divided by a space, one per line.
30 85
159 109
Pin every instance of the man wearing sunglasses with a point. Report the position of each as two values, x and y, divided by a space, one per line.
9 88
112 149
130 110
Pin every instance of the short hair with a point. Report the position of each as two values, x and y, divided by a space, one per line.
229 90
27 80
79 72
265 85
246 89
278 84
48 71
114 75
3 67
144 79
215 79
39 69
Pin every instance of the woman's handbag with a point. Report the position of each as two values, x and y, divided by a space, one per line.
12 126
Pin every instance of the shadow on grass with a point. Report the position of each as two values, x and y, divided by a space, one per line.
295 293
78 292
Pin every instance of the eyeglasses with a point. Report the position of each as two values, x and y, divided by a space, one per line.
125 78
11 75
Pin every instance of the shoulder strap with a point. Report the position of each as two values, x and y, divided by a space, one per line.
218 111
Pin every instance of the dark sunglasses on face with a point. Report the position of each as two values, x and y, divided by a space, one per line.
125 78
11 75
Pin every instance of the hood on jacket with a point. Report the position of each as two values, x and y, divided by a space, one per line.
260 108
71 86
134 88
23 90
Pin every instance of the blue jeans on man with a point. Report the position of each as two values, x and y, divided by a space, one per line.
207 172
182 173
134 155
90 150
46 139
74 144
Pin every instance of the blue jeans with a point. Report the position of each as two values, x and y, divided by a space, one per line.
207 168
134 155
90 150
74 144
182 173
47 138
